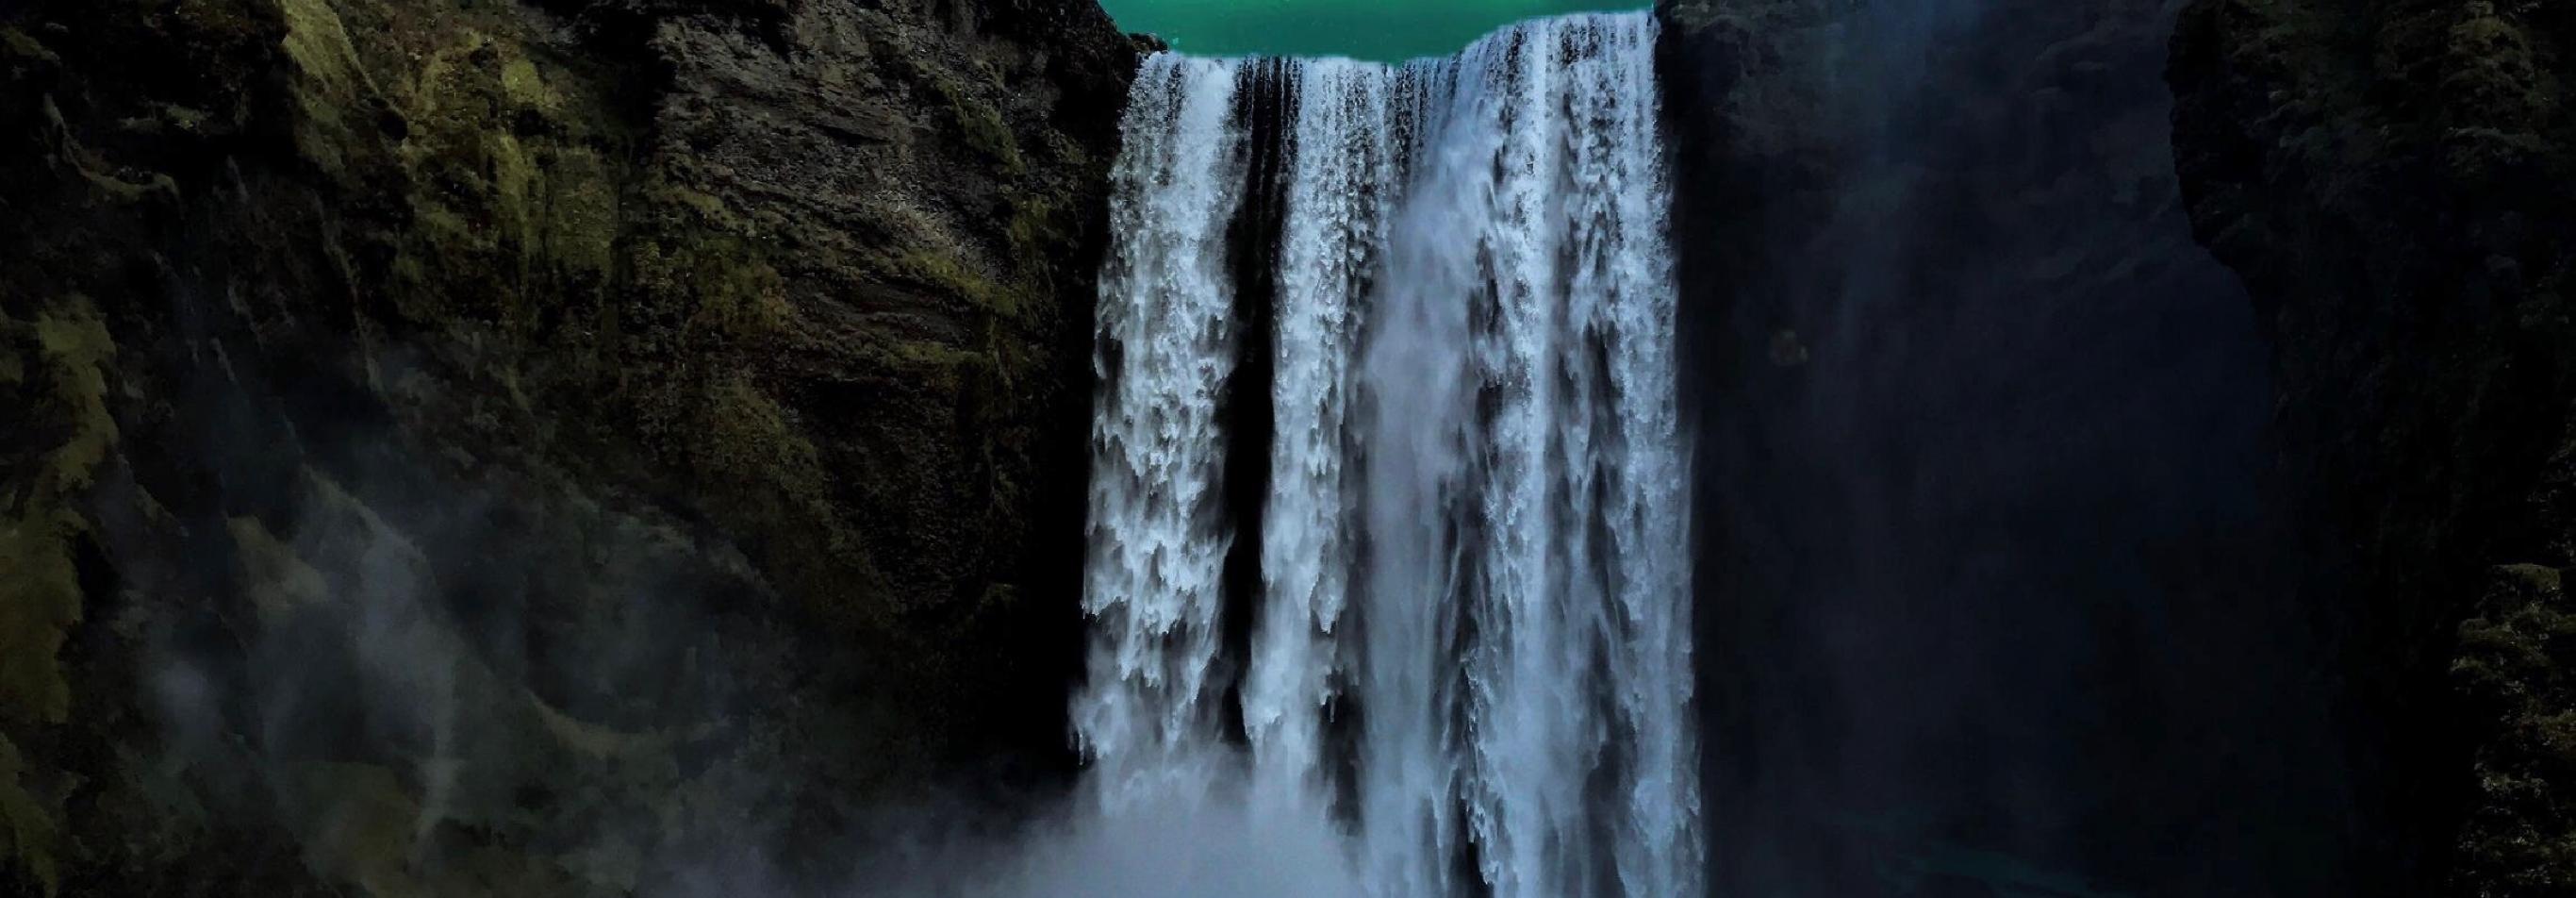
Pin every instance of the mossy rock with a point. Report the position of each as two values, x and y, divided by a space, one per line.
557 316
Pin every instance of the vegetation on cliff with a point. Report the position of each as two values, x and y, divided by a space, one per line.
2393 178
474 444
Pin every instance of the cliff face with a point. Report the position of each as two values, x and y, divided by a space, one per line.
2397 182
1987 560
470 445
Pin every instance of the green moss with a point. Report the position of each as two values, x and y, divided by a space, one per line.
764 467
720 287
27 829
593 742
2509 667
2538 579
928 365
359 825
17 43
511 181
746 431
436 103
340 527
181 118
981 125
77 348
473 223
1038 224
711 211
41 599
99 172
511 175
330 86
950 275
40 596
39 602
526 87
276 579
579 230
2491 77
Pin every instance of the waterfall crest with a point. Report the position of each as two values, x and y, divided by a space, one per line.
1469 638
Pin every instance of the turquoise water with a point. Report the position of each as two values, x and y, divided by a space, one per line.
1384 30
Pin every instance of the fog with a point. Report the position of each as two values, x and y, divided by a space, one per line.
1993 595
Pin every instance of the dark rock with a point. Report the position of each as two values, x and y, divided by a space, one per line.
1990 566
660 414
2393 178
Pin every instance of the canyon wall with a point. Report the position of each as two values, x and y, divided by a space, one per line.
1977 201
548 446
2396 181
600 446
1993 592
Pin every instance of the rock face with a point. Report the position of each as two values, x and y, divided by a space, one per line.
2397 182
1981 461
542 446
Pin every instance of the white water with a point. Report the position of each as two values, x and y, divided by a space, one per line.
1167 342
1473 547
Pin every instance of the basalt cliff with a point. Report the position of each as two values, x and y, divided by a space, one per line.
463 447
2396 181
1947 263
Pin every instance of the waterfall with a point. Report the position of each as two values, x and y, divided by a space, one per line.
1166 345
1469 643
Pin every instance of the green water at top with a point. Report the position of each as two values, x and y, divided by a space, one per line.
1383 30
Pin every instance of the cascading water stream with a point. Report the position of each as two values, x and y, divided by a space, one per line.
1469 644
1158 538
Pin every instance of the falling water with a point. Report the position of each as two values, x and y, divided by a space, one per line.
1334 222
1166 346
1470 634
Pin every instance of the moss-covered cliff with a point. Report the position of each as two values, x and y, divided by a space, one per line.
2396 179
461 445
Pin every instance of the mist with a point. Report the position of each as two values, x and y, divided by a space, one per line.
1993 594
388 664
1215 834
